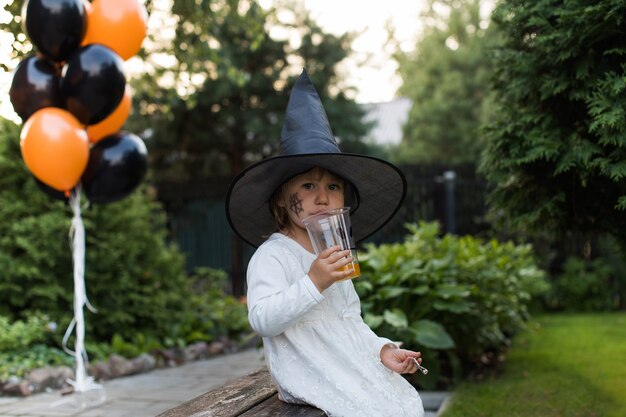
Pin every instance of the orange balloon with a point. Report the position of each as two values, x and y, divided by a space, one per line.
113 122
119 24
55 147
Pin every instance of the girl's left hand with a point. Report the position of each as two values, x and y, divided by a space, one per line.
399 360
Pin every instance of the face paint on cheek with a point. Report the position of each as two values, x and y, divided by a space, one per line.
295 204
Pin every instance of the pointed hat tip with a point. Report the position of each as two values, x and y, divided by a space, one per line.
303 80
306 128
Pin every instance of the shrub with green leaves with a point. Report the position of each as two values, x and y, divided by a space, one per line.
21 334
587 272
210 312
20 362
23 346
456 299
134 277
584 285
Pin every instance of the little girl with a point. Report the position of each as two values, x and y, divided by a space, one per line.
317 347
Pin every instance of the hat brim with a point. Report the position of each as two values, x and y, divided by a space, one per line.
381 188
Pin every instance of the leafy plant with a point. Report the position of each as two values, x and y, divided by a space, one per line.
584 285
210 313
20 362
456 299
22 334
135 346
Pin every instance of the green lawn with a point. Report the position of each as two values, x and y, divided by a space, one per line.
564 365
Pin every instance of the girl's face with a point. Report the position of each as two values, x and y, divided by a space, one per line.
310 193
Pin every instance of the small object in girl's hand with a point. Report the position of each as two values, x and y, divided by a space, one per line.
420 367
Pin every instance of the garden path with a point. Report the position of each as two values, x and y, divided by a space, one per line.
149 394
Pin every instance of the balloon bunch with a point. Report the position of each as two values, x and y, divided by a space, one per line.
73 97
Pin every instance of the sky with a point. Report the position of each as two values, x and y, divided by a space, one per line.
370 70
376 80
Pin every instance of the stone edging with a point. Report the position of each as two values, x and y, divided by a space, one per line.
55 378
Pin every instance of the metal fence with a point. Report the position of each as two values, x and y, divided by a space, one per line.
452 195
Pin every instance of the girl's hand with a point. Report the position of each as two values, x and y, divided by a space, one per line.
399 360
325 270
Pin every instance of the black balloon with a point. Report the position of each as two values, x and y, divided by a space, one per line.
93 83
55 27
35 85
52 192
117 164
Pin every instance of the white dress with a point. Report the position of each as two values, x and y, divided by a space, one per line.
317 347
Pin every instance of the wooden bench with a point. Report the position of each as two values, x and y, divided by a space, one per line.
254 395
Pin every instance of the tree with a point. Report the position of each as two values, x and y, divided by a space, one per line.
13 32
210 99
321 53
556 148
224 108
218 106
446 78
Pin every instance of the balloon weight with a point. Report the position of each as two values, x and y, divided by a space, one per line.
117 164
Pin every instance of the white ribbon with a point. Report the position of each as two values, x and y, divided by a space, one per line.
83 382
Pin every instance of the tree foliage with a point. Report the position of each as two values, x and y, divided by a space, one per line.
223 105
446 78
557 145
214 83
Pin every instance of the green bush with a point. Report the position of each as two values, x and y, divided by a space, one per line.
23 346
584 285
20 362
587 272
22 334
133 277
459 300
210 313
138 344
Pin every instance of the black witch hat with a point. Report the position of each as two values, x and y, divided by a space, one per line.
307 142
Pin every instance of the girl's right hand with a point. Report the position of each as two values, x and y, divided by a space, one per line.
325 270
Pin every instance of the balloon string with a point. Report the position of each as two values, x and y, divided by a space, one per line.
67 335
77 239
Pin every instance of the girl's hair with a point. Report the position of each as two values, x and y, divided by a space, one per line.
280 214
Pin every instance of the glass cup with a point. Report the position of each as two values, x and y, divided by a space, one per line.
330 228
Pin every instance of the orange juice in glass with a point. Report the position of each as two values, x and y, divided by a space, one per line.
331 228
352 266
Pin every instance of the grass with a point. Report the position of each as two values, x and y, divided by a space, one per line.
562 366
